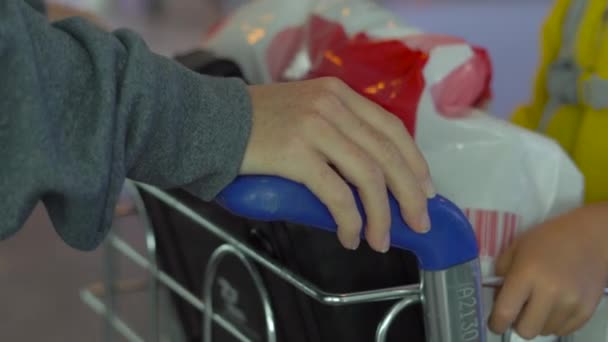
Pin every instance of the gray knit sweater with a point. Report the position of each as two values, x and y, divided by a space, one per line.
82 109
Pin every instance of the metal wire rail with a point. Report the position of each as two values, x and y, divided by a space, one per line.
101 299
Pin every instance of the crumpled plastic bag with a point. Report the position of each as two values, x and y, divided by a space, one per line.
275 40
506 179
395 82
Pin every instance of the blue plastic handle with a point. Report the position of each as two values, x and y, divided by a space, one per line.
450 242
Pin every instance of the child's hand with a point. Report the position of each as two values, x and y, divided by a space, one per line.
554 275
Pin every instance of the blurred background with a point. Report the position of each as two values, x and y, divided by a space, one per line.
40 277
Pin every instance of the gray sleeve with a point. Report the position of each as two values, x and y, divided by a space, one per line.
82 109
38 5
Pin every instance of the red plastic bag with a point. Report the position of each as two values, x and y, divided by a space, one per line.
386 72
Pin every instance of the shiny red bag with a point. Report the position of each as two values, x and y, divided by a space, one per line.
384 71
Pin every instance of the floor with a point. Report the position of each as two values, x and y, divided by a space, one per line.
40 277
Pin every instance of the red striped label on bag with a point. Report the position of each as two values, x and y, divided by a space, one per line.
495 230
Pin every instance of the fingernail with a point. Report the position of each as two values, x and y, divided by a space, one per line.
429 188
355 244
386 245
425 223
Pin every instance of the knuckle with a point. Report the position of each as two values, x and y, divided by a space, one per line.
351 226
421 167
340 201
526 333
396 125
389 152
570 299
412 199
503 316
295 145
313 123
332 84
419 202
422 170
547 331
381 219
342 198
372 174
323 101
552 289
293 141
531 270
384 222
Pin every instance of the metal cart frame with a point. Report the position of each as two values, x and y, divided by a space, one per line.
101 297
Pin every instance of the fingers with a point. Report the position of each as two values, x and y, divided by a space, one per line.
400 179
539 310
503 263
332 190
509 302
535 314
387 123
363 172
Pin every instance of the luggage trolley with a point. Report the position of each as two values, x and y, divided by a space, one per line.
449 290
445 289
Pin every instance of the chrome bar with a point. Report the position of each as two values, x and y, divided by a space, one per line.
497 282
386 294
124 286
100 308
166 280
453 311
409 292
385 324
506 337
109 270
210 272
282 272
150 241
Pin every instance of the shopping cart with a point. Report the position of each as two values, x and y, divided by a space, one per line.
449 290
446 284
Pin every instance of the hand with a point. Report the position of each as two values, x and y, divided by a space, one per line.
554 275
314 132
56 12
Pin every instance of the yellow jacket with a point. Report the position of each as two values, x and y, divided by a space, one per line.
570 96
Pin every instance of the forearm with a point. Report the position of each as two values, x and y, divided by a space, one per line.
82 109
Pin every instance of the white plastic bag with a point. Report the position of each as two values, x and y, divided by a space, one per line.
505 178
